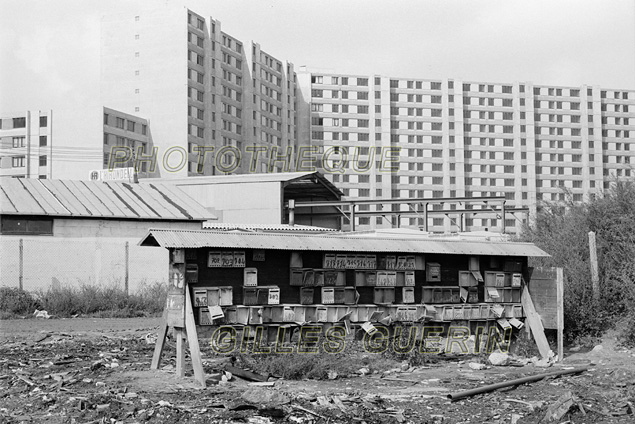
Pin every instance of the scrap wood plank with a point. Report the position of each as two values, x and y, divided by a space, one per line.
160 343
192 340
535 324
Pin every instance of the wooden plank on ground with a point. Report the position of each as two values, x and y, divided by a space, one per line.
534 322
160 344
543 290
192 339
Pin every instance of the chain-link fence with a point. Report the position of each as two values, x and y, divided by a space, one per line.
35 263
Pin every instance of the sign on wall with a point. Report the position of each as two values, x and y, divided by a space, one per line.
118 174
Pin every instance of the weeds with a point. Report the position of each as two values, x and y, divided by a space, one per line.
561 229
109 301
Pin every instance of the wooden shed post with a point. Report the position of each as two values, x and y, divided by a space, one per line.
127 275
21 256
593 256
560 311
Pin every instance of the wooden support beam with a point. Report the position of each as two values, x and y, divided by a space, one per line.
560 312
593 257
160 344
180 354
192 339
535 324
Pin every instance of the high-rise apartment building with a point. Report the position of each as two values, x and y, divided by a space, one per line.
464 138
25 144
70 144
202 89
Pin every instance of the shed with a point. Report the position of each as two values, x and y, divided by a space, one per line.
74 232
261 198
281 278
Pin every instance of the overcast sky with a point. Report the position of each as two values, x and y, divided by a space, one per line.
50 49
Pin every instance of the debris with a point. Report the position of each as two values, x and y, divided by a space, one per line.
247 375
363 371
543 363
530 405
498 359
41 314
597 348
515 418
515 382
369 328
401 380
265 397
332 375
262 384
477 366
308 411
559 408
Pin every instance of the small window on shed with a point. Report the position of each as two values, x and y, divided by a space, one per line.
26 225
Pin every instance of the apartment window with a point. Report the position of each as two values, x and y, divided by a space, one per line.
362 82
19 141
131 126
43 121
344 80
435 85
17 162
120 123
362 95
317 93
43 141
19 122
43 160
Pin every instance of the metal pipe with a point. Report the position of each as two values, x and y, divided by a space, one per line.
515 382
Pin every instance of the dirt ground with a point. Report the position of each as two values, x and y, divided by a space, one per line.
98 371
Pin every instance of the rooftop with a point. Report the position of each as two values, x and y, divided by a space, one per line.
340 242
98 199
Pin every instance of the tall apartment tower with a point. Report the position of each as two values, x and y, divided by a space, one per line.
469 139
199 88
26 141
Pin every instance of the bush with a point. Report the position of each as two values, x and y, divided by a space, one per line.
561 229
14 301
93 300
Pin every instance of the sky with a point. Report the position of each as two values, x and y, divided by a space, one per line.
50 49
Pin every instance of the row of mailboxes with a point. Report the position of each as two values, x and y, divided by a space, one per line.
445 294
503 279
308 277
261 295
502 294
255 315
213 296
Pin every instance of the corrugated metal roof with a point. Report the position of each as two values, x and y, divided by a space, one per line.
98 199
289 179
221 226
217 239
241 178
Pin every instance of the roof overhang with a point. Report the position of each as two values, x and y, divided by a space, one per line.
306 242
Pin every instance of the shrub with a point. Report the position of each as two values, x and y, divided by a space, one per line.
561 229
14 301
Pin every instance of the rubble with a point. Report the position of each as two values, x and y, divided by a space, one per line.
69 376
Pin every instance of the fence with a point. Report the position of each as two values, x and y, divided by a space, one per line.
43 262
